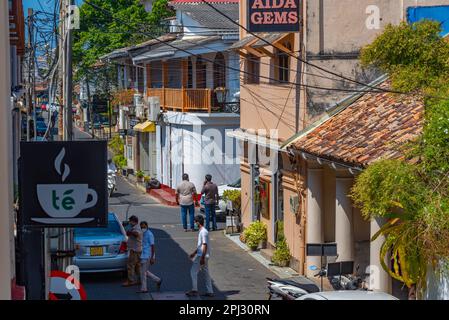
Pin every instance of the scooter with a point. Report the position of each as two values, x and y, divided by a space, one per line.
290 289
111 182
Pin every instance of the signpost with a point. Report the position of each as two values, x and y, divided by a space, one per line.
273 15
64 286
63 184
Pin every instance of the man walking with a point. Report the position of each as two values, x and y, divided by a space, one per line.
147 259
134 234
201 260
210 191
186 198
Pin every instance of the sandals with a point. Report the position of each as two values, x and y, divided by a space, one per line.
129 284
192 293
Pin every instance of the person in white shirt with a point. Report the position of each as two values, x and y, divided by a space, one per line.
201 260
147 258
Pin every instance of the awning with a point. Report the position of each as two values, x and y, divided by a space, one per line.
254 42
147 126
255 139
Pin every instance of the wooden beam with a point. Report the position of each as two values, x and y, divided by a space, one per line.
164 80
254 52
266 52
184 67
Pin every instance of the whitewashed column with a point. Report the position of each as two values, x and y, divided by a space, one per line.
344 226
315 211
379 280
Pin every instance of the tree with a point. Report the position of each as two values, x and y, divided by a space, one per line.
101 32
413 196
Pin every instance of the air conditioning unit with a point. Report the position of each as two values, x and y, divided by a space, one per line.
139 106
175 26
138 99
154 108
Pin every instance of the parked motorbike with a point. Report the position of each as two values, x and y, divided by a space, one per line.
290 289
293 288
112 183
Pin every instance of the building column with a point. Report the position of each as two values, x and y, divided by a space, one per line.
315 211
379 280
344 232
6 228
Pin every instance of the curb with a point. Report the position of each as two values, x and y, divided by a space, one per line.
281 272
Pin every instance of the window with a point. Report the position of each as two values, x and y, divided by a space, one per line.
283 64
190 74
200 73
253 69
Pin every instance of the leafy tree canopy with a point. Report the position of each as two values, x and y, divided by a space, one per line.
412 196
101 33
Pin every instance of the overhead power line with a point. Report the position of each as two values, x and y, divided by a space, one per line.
376 90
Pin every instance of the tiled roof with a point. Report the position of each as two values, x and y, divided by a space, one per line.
371 128
207 16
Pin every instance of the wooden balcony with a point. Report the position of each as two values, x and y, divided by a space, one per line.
185 100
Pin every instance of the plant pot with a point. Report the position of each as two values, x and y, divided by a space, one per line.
140 180
242 238
263 244
283 264
253 248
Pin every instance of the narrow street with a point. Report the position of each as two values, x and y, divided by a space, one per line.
235 274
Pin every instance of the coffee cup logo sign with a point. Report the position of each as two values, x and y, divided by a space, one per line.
63 202
273 15
63 184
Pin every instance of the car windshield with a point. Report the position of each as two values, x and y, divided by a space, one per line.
236 184
113 227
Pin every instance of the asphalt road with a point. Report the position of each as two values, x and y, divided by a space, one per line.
235 274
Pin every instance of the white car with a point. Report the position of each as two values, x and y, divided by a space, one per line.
221 207
347 295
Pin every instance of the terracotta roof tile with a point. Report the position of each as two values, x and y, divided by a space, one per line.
373 127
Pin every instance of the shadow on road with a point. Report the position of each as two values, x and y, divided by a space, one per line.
172 265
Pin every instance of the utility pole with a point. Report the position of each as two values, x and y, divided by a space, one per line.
68 133
29 79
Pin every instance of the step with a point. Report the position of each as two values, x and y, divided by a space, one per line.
267 253
163 196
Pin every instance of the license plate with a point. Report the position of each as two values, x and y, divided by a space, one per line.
96 251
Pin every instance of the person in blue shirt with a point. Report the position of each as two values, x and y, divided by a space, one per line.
147 258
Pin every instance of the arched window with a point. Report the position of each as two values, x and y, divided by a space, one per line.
283 64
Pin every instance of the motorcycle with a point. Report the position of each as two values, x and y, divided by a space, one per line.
293 288
112 183
290 289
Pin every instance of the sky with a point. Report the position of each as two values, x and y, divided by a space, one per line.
46 4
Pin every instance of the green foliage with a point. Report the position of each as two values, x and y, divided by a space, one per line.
235 197
120 161
386 186
280 230
140 174
255 233
281 255
414 55
116 145
101 33
413 196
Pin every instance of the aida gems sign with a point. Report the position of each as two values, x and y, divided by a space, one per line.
63 184
273 15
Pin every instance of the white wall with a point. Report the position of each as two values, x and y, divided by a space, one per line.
191 148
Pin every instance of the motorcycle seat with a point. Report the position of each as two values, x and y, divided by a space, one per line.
301 282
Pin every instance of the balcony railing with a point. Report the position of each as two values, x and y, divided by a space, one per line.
185 100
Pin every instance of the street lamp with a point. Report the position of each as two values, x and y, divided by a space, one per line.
221 94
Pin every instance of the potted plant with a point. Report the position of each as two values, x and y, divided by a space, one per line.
255 234
281 256
232 198
140 175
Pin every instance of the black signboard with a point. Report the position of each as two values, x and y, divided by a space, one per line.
99 104
321 249
63 184
273 15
